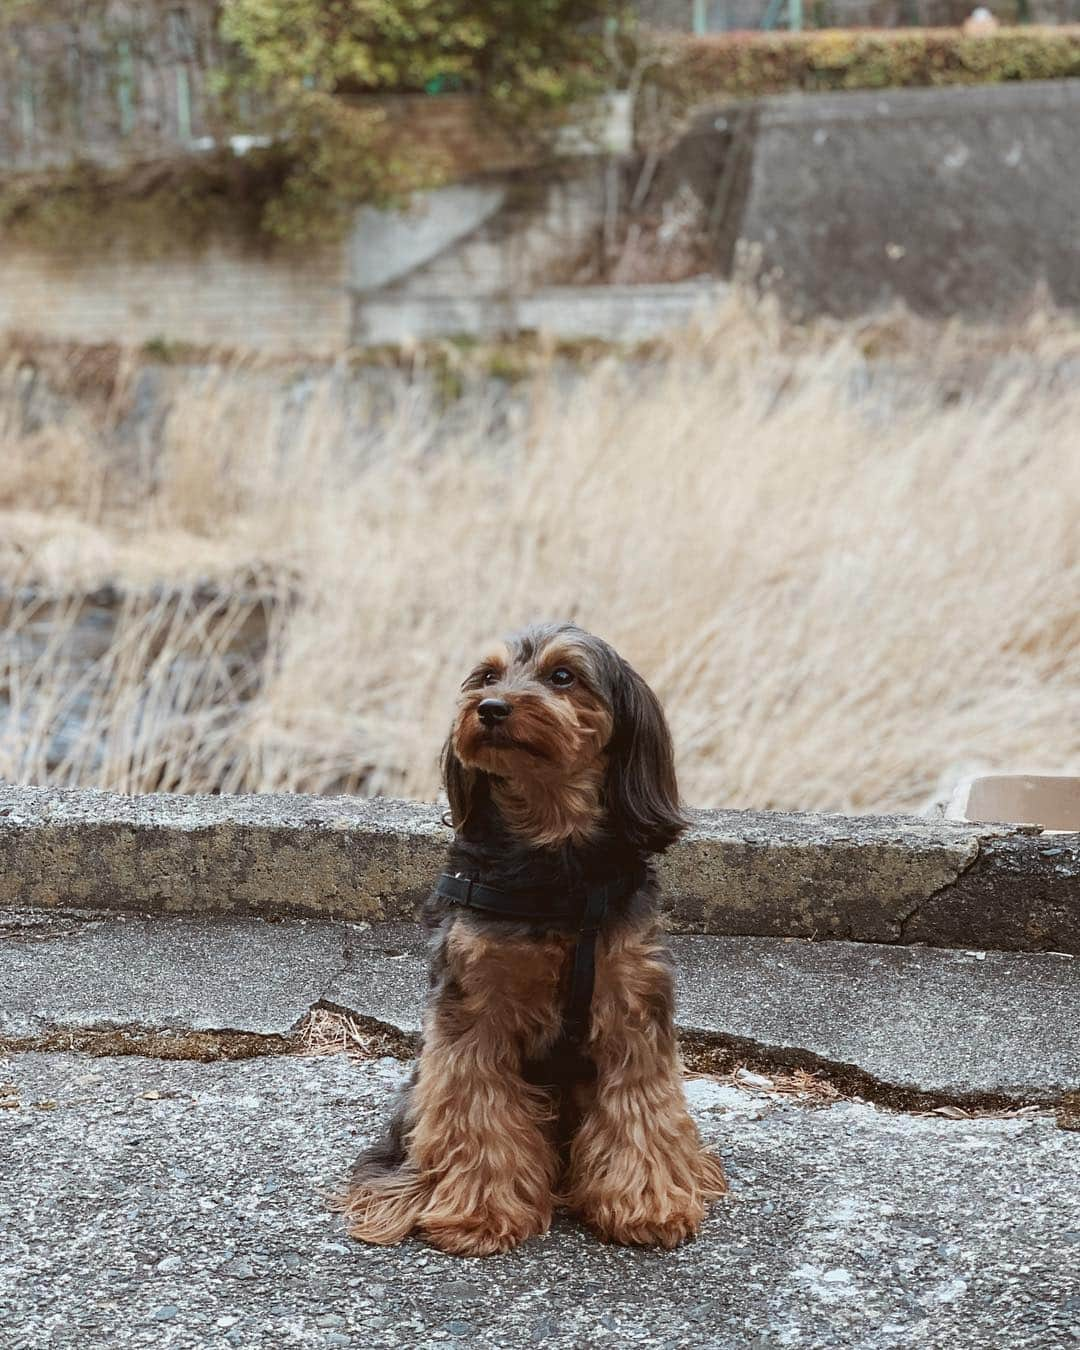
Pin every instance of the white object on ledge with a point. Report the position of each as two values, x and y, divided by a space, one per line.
1050 800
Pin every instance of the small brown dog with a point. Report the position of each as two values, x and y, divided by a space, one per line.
549 1072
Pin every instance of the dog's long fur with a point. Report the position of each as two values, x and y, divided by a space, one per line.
502 1120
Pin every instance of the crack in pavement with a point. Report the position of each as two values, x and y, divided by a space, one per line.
367 1038
342 967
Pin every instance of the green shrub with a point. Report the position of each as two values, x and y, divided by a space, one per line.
501 48
315 73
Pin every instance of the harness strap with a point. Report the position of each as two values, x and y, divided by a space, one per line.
462 890
583 975
470 894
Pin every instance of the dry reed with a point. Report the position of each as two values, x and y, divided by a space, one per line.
847 557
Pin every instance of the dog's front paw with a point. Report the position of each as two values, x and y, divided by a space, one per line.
638 1231
482 1237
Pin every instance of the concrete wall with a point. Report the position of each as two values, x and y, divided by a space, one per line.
490 238
949 200
611 313
229 299
481 258
221 298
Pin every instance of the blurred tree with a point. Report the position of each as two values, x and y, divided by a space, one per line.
540 49
314 61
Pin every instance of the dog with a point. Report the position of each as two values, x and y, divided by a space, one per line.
548 1073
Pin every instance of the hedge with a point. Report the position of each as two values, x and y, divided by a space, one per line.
692 71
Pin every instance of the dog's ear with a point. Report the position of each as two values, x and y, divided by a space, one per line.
463 788
642 791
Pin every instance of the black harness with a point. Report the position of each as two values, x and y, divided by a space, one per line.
586 906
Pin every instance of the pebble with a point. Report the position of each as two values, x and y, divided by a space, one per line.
836 1276
458 1289
165 1313
169 1265
755 1079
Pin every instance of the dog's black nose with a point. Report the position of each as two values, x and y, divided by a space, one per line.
493 710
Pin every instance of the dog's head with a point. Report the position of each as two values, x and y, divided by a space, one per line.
555 712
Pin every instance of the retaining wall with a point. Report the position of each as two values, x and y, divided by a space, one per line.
223 297
889 879
948 200
105 81
483 259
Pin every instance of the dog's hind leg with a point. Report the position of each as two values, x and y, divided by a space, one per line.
638 1171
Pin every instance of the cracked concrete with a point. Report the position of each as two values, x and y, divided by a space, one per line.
196 975
905 921
737 873
1020 893
181 1206
901 1024
906 1026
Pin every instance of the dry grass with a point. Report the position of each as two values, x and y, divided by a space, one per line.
326 1031
848 558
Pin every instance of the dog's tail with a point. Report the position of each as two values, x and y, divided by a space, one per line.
711 1177
382 1206
385 1194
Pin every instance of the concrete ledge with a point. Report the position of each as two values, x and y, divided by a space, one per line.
890 879
901 1025
609 313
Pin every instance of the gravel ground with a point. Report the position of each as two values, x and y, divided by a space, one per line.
181 1205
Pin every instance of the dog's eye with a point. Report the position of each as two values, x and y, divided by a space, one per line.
489 677
561 678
